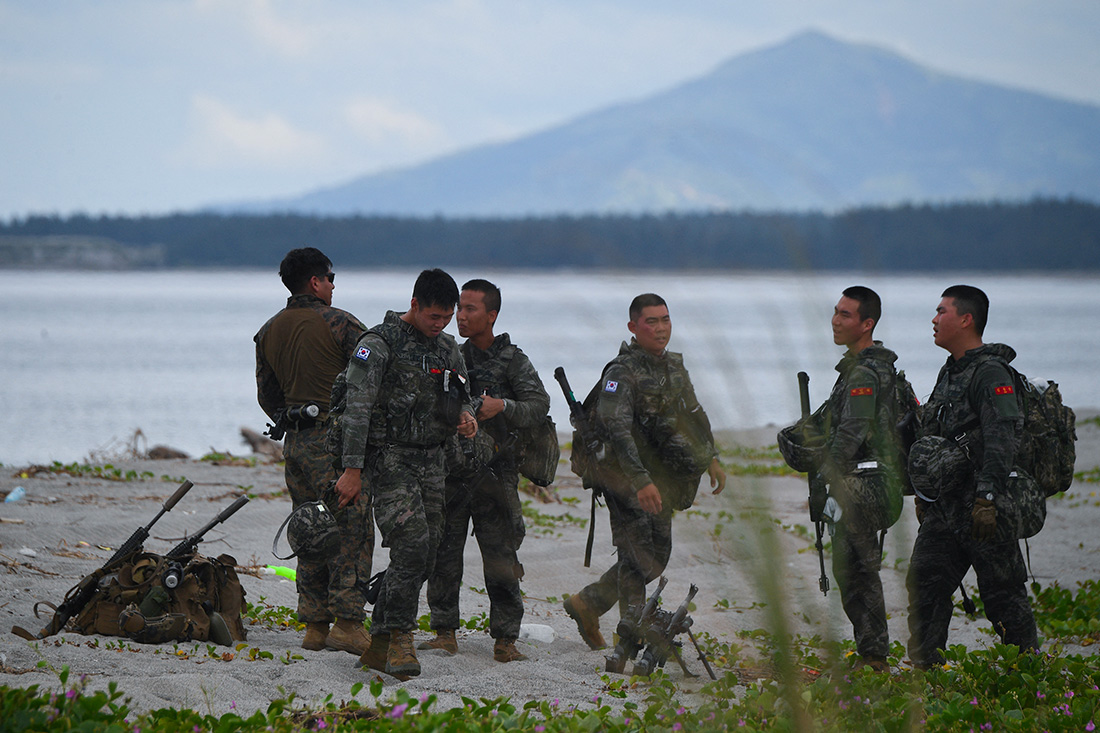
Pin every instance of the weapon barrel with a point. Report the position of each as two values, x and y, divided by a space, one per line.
804 392
189 544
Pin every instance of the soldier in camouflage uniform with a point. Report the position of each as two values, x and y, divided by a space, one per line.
299 353
661 443
403 395
974 403
510 398
859 464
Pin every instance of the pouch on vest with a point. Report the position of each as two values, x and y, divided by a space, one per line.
540 453
1021 507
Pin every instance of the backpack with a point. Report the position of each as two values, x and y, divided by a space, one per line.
907 427
1046 450
539 453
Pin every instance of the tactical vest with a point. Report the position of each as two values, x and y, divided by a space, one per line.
951 406
881 444
409 407
491 377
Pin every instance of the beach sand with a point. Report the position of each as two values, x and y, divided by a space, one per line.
726 544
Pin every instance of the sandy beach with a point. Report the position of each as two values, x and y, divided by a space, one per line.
725 544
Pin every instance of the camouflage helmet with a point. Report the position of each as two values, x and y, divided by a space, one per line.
312 532
937 466
796 453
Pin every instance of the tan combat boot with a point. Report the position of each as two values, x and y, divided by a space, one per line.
348 636
315 636
444 641
504 650
401 658
588 621
376 654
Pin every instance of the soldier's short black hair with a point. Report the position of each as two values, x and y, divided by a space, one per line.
486 288
969 299
435 288
645 300
870 305
300 265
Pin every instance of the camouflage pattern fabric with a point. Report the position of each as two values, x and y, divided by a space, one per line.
406 485
391 423
978 385
936 466
492 504
642 406
858 423
283 377
336 587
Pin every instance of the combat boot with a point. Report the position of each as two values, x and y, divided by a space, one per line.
504 650
588 621
315 636
376 653
401 658
348 636
444 640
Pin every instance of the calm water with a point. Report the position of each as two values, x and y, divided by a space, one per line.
88 358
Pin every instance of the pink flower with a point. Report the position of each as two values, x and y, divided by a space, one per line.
974 701
1090 727
399 710
71 693
677 726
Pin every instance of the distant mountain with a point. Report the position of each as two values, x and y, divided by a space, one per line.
811 124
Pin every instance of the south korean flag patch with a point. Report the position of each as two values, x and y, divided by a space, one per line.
611 386
362 353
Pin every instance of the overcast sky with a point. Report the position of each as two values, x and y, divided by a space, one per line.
149 106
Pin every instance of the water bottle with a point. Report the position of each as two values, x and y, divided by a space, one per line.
15 494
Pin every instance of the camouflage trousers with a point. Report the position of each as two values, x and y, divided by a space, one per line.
643 543
337 587
941 557
857 558
406 485
498 527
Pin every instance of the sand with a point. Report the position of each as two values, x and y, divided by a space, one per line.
725 545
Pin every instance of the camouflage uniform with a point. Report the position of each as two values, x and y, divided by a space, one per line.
501 371
978 387
642 403
393 426
299 353
858 423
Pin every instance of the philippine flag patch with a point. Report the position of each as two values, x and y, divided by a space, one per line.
362 353
611 386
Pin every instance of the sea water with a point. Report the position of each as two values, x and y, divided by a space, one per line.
89 358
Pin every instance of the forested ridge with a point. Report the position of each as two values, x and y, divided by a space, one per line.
1038 235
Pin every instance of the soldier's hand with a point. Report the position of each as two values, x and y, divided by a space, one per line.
467 425
717 476
984 517
490 407
650 499
349 485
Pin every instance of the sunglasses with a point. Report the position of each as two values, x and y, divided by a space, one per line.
331 276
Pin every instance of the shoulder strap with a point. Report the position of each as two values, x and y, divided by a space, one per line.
278 534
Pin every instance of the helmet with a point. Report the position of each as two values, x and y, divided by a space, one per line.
796 452
937 466
312 532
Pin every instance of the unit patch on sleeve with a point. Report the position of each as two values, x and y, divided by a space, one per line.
1004 389
611 386
862 392
362 353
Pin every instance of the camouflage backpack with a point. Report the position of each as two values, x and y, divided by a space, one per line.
1046 451
154 599
908 427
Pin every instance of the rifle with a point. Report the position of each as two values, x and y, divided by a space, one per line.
593 445
82 593
662 640
173 574
293 416
815 487
632 630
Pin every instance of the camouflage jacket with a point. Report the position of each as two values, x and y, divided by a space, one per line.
978 389
859 419
655 427
300 350
504 371
392 390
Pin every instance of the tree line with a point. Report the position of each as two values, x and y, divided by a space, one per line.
1043 234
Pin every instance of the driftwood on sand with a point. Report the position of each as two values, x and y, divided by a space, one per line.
262 445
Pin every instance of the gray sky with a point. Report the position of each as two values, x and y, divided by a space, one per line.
149 106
